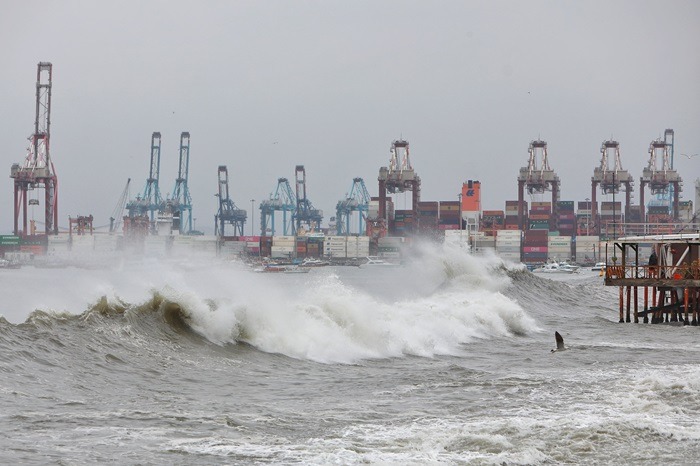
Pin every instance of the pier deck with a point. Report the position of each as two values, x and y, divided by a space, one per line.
674 280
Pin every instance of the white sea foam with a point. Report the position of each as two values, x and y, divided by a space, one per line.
326 319
433 306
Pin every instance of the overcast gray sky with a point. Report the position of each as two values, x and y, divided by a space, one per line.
468 84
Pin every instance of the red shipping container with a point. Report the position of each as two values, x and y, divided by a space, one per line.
534 249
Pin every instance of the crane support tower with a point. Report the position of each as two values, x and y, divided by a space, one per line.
662 180
228 212
283 199
356 201
180 203
537 178
37 171
609 180
305 213
398 177
150 201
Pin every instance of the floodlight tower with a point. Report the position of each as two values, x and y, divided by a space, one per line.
538 178
609 180
37 171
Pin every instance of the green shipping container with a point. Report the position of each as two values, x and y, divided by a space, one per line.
9 239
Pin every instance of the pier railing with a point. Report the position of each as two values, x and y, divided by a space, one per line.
680 272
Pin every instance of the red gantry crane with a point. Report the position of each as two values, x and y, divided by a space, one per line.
398 178
538 178
609 180
37 171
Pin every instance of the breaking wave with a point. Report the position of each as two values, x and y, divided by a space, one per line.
450 299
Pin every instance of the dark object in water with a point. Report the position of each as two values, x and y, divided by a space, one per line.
560 342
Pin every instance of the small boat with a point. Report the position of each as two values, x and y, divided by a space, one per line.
311 262
277 268
569 266
5 264
377 261
556 267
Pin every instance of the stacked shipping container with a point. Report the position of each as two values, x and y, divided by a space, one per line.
566 222
428 218
559 247
508 243
449 215
535 246
511 218
587 250
540 216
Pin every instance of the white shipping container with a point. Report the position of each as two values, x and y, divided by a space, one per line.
284 243
282 238
336 239
505 242
559 244
58 239
391 240
587 239
508 233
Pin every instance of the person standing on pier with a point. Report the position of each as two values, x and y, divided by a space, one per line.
653 262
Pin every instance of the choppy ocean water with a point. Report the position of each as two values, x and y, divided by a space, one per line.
444 361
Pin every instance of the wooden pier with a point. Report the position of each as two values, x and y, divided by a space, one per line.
670 288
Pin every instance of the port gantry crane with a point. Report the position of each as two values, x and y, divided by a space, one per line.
537 179
609 180
180 203
305 212
356 201
150 200
228 212
399 177
38 170
662 180
283 200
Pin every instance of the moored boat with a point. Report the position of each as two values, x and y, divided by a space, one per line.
556 267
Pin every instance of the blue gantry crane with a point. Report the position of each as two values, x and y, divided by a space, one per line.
180 203
283 200
228 212
357 200
305 212
150 201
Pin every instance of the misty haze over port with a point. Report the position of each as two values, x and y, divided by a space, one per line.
263 87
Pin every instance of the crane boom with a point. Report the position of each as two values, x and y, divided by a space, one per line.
116 219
